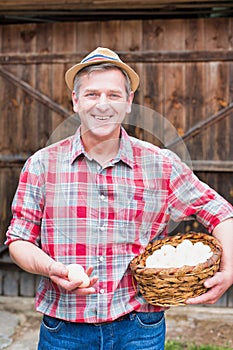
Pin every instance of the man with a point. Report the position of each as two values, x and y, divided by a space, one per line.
97 199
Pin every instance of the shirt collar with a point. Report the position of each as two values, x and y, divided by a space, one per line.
77 147
125 153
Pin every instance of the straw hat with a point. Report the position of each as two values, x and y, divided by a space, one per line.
101 55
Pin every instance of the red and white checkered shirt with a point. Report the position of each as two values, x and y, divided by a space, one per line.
79 212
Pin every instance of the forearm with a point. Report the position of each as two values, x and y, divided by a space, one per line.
30 257
224 233
34 260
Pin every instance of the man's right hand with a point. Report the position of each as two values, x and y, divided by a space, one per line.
58 273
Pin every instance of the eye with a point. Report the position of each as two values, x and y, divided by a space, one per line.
90 93
114 96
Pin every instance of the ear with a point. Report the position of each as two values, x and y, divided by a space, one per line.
129 102
75 102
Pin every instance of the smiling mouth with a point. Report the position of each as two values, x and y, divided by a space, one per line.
102 117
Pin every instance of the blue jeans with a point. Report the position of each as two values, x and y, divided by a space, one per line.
139 331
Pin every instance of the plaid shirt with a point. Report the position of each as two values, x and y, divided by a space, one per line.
80 212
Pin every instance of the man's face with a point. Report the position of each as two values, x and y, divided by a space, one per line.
102 104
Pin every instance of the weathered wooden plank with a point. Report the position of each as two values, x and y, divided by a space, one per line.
27 284
216 35
194 35
202 124
84 30
42 119
218 98
195 90
144 56
153 85
159 82
11 283
69 39
107 39
25 105
8 159
131 42
106 4
34 93
8 98
218 166
171 42
174 104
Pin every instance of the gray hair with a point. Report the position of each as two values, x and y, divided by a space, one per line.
100 67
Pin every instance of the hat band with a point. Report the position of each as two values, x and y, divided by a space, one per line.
98 57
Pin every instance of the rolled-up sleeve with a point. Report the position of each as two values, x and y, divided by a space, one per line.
190 197
28 204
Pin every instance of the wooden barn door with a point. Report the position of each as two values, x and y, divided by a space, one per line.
186 75
186 72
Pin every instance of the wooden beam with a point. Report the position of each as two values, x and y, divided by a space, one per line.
40 97
217 166
13 160
107 4
202 125
130 57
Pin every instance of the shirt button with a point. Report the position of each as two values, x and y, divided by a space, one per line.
102 228
101 291
102 197
101 258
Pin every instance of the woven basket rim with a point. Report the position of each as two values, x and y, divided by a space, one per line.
137 265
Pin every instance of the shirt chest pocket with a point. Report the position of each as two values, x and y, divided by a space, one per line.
146 204
130 203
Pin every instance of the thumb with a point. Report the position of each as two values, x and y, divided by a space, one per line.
58 269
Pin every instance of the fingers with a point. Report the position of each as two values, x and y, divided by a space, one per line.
210 297
213 281
217 285
89 270
88 290
84 291
59 275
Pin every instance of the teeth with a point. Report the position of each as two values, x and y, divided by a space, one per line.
102 118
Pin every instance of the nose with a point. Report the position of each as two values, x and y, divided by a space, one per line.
103 102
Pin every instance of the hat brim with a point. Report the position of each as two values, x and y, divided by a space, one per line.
71 73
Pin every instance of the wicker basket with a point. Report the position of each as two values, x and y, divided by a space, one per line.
173 286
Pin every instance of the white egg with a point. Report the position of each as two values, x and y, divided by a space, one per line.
75 267
179 261
150 261
202 251
85 280
185 245
154 260
158 253
198 245
77 273
186 253
168 249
